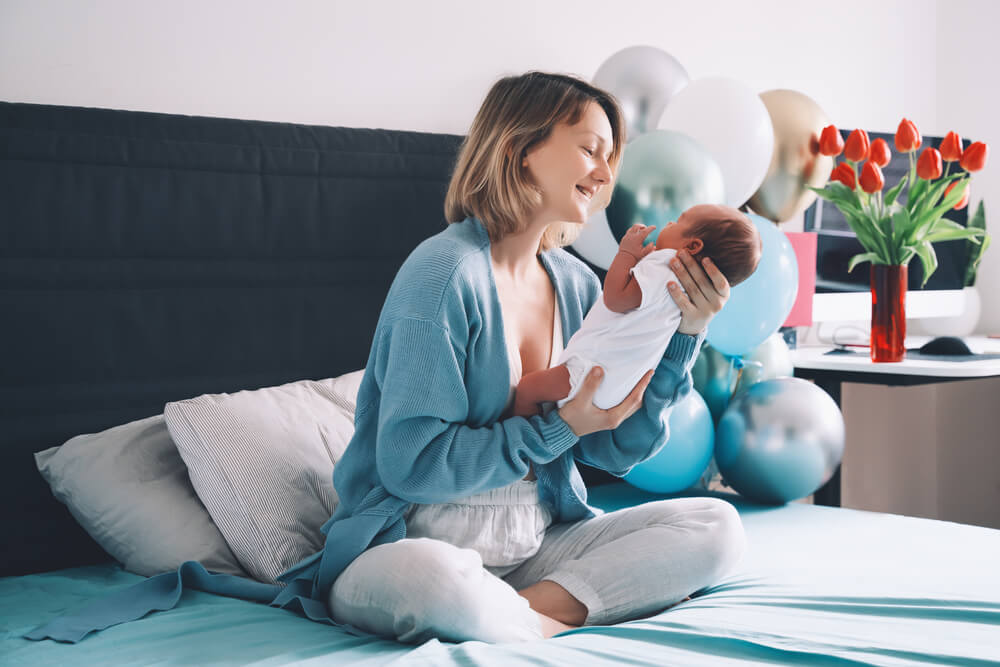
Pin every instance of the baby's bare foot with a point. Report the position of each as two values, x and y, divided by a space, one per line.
551 626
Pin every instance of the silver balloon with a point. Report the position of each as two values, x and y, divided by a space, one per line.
663 173
771 359
644 79
779 440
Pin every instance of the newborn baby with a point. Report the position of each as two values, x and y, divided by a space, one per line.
628 330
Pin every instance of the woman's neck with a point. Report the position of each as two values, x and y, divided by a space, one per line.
516 255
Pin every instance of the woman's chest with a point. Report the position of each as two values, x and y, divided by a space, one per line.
528 318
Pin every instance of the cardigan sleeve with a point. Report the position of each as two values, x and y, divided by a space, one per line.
645 432
424 451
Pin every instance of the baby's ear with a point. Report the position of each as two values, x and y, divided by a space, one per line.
693 246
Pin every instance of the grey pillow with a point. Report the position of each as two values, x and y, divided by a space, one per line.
128 487
262 463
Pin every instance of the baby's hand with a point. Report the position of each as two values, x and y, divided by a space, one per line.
633 240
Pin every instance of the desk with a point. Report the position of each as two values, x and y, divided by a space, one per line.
831 371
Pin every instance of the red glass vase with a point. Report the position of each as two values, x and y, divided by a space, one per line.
888 284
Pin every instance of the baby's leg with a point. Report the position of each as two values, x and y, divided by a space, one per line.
547 385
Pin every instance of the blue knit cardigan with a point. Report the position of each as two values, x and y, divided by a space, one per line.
427 429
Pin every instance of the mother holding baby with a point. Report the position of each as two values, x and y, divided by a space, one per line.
457 519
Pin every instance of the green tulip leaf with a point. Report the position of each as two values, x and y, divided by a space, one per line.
863 257
925 251
977 222
902 228
890 196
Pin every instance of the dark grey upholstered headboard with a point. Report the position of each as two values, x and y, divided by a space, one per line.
146 258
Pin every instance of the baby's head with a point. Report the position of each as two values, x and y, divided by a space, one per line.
719 232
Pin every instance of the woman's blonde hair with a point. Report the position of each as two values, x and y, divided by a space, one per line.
490 183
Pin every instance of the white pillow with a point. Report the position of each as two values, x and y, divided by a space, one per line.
128 488
262 463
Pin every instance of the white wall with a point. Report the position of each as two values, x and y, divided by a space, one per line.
426 66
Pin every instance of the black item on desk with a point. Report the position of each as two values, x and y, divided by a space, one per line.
945 345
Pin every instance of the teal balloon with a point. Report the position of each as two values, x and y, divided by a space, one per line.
779 440
758 305
663 173
681 462
714 377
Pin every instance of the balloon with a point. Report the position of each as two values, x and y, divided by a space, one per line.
771 359
797 162
685 456
644 79
729 119
779 440
758 305
596 243
713 375
663 173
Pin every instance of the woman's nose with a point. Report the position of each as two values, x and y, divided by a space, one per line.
603 172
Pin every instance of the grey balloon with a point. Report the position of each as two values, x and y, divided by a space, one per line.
644 79
663 173
779 440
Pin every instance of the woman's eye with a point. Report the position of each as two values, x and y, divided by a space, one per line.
589 151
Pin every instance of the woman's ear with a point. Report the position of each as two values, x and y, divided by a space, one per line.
694 246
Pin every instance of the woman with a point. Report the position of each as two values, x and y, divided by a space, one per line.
456 520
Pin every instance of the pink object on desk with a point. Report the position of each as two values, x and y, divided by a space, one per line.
804 245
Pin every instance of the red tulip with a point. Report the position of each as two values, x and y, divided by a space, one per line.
965 198
871 177
951 147
974 157
879 153
830 142
856 148
929 164
843 173
907 138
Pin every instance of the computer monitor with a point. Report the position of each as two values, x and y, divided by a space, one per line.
843 296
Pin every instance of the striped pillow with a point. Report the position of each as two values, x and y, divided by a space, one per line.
262 462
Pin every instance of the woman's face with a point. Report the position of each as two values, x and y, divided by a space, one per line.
571 167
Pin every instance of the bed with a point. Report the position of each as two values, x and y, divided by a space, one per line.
149 258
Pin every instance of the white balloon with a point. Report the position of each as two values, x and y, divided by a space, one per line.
596 243
729 119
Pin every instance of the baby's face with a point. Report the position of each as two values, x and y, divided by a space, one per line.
675 234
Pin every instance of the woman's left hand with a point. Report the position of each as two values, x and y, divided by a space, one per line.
707 292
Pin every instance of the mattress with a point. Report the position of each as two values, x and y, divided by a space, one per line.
818 586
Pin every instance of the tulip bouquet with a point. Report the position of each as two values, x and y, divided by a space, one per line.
909 217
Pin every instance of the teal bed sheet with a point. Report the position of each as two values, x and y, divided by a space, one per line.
819 586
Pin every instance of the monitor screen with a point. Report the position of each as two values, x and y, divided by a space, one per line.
836 244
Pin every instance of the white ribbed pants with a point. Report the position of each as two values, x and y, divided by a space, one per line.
622 565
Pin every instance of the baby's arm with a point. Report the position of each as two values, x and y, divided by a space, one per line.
621 292
549 384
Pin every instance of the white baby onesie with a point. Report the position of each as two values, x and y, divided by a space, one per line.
625 345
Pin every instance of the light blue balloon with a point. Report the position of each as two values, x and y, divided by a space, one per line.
758 305
685 457
663 174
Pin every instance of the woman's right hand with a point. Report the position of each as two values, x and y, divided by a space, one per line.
583 417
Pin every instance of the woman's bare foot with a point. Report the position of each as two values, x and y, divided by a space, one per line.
551 626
